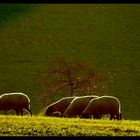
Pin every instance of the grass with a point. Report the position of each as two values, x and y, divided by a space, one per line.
106 35
53 126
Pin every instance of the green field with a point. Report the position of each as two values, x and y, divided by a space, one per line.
108 35
52 126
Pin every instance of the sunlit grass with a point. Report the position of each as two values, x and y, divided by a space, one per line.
52 126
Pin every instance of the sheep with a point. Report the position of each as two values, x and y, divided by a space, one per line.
16 101
59 105
77 106
101 106
56 114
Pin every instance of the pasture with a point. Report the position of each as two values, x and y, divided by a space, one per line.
12 125
107 35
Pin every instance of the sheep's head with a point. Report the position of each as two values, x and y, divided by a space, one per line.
49 110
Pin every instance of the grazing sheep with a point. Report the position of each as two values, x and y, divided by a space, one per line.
15 101
77 106
59 105
56 114
101 106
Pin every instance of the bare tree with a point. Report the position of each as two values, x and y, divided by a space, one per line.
72 78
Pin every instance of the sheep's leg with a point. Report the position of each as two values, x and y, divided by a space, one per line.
17 112
117 116
120 116
21 112
29 110
111 116
100 116
97 116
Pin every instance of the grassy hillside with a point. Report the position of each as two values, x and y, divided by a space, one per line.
52 126
104 34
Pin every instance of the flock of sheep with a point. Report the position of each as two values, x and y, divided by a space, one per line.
75 106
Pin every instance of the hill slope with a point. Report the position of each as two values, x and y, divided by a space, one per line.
107 35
